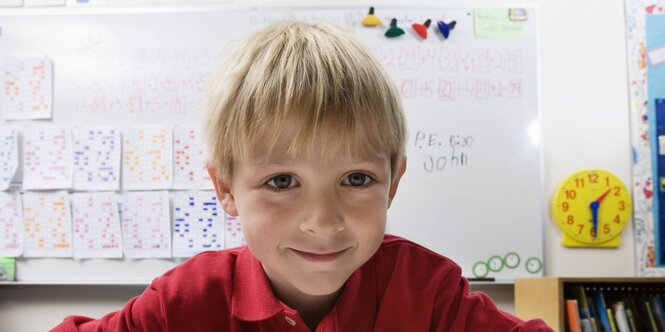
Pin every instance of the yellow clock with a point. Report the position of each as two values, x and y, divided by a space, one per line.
592 208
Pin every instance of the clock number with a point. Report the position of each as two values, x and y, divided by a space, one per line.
617 191
565 206
593 178
617 219
592 232
622 205
581 228
571 219
606 228
579 183
607 181
571 194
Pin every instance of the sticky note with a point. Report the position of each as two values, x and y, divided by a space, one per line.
7 269
495 23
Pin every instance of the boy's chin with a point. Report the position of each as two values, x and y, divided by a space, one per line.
322 287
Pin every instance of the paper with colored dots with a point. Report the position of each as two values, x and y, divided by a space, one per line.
189 159
11 225
198 223
47 158
8 156
96 158
47 224
96 225
27 88
147 161
146 224
232 232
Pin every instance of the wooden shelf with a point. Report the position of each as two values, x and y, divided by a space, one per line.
544 297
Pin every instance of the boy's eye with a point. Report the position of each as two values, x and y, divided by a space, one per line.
282 181
357 179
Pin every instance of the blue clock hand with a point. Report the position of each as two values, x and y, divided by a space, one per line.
594 214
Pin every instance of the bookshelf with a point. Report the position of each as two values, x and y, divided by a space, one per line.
545 298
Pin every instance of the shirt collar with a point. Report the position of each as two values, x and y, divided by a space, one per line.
253 299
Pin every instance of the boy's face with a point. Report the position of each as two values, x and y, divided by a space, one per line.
311 223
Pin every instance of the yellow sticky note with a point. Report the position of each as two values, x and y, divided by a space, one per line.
495 23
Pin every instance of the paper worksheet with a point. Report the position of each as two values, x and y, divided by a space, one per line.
8 156
11 225
146 224
198 223
96 158
233 232
147 161
189 159
47 224
47 158
96 225
27 91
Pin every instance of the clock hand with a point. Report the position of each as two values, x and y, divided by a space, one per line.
594 214
602 197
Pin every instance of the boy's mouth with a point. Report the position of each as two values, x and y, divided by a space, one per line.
319 257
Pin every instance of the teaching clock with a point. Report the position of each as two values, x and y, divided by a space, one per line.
592 208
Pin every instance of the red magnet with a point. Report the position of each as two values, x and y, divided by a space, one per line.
421 29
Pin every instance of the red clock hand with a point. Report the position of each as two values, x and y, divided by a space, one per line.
602 197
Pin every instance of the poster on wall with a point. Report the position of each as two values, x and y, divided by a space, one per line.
645 21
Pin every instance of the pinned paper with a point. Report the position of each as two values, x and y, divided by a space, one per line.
8 157
96 158
47 158
11 225
656 56
146 231
495 23
147 161
47 225
27 88
96 225
198 223
189 158
233 232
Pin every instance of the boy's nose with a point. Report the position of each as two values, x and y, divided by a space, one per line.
323 217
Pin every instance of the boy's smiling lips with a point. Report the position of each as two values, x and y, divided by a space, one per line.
320 256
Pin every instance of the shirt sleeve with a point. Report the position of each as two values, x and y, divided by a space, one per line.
463 310
141 313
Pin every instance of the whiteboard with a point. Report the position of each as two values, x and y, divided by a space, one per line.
473 189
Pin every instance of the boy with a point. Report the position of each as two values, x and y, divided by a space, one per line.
307 135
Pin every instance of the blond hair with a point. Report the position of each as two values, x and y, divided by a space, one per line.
317 74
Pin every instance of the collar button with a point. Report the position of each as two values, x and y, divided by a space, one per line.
290 320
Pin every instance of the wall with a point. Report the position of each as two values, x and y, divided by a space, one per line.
585 125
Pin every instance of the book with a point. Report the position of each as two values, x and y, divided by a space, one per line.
620 317
592 311
631 320
572 311
580 295
658 311
610 317
601 310
594 324
585 324
652 321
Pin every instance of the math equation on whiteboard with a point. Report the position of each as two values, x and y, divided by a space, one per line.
441 152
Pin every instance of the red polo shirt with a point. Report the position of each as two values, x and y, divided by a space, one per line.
403 287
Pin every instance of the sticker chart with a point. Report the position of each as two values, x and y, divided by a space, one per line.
146 224
198 223
47 158
233 233
47 225
147 162
11 225
189 158
96 158
96 225
8 157
27 88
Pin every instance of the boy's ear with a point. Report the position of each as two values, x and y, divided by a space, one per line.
395 183
223 191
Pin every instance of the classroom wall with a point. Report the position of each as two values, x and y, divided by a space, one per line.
585 125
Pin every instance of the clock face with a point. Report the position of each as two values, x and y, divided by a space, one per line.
588 195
